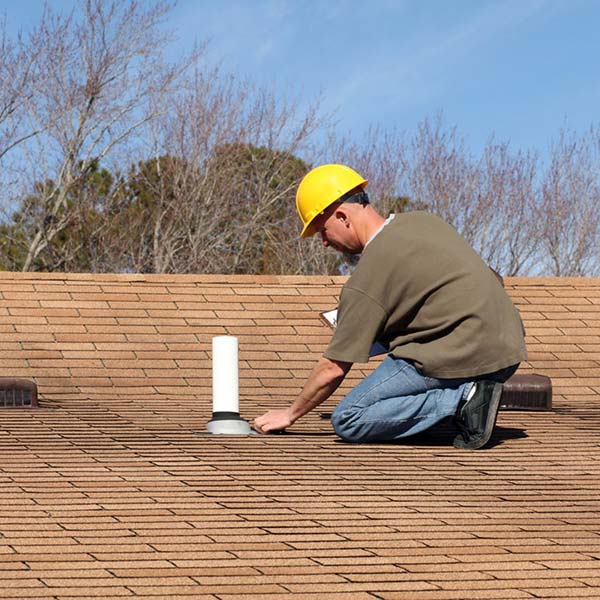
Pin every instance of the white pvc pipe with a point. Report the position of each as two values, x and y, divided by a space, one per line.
225 373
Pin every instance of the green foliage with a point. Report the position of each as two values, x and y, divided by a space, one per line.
233 214
73 248
259 184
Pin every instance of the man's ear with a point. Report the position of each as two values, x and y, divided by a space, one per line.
342 215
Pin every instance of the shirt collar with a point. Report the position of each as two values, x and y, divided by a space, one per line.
379 229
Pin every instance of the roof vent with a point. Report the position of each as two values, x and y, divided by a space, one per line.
17 393
527 392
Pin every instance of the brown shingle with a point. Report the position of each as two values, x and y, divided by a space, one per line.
112 488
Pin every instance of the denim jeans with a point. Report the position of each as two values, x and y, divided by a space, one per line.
397 401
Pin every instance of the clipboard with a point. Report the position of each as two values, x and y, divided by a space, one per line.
329 317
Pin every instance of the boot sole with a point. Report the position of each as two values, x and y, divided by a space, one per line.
478 442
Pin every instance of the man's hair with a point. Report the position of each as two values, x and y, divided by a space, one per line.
355 196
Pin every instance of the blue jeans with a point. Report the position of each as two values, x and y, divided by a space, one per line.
397 401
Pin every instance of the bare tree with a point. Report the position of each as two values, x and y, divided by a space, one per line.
504 231
100 70
567 210
379 155
17 65
229 206
442 175
129 164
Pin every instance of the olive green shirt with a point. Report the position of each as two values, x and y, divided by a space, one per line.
422 290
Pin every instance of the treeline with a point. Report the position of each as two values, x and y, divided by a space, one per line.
114 159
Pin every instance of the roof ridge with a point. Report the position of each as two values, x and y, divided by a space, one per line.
167 277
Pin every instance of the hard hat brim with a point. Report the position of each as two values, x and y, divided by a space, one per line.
308 230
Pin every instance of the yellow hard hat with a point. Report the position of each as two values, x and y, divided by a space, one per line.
320 188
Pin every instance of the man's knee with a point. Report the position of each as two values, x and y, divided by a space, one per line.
346 424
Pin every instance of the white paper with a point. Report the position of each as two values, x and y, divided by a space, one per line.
330 317
225 374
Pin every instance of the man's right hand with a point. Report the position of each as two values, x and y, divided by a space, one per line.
324 379
273 421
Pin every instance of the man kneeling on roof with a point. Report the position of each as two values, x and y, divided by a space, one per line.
453 334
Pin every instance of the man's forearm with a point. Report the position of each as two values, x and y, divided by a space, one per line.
325 378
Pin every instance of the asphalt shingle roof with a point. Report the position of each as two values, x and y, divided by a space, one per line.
113 489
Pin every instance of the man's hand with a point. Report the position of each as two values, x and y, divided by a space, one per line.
322 382
272 421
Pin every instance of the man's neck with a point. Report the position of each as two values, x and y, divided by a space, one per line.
371 224
379 229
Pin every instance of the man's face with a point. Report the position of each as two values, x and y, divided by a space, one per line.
334 228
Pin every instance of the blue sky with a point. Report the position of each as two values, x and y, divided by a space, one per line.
520 69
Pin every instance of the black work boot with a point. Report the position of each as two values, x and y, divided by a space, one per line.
476 418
